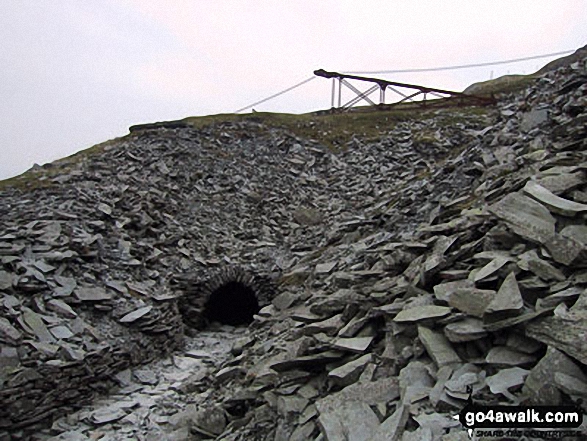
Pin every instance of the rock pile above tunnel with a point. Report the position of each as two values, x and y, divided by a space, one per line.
447 251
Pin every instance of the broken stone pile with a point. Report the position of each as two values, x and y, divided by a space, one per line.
396 277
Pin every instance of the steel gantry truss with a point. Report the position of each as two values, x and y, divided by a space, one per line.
449 97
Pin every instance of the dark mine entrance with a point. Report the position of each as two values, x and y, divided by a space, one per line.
233 303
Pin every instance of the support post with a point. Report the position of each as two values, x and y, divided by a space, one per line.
332 95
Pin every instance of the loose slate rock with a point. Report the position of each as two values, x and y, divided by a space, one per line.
438 347
6 280
348 373
504 356
136 314
9 333
471 301
35 323
491 268
526 217
353 344
420 313
443 291
555 203
540 384
507 379
89 294
508 297
465 330
346 420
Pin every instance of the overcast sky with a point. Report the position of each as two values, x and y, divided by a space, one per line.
74 73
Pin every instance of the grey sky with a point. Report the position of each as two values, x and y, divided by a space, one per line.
75 73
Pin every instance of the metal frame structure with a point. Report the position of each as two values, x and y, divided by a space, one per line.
449 96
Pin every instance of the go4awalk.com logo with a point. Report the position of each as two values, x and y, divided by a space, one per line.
546 422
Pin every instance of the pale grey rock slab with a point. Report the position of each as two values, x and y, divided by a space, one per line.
37 326
303 432
525 316
348 373
353 344
508 297
522 343
491 268
438 347
145 376
540 384
565 333
104 208
383 390
330 326
210 420
471 301
570 385
89 294
393 427
507 379
554 203
560 183
6 280
61 332
504 356
342 420
534 118
437 258
567 296
229 372
526 217
325 268
419 313
443 291
136 314
567 251
415 382
577 233
461 383
61 308
284 300
307 216
357 323
530 261
106 415
468 329
9 333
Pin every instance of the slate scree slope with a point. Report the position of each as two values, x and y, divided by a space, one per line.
241 281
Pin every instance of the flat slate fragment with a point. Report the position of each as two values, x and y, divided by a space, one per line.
508 297
471 301
555 203
36 324
419 313
353 344
568 334
136 314
88 294
526 217
349 372
465 330
438 347
346 420
507 379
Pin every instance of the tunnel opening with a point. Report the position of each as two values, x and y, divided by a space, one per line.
232 303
